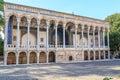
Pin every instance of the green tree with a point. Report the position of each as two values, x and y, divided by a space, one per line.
1 11
1 26
114 21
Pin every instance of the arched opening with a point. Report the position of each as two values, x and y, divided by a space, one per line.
106 54
11 58
22 58
42 57
97 55
85 55
79 34
23 29
33 57
102 55
12 26
33 32
91 55
52 33
43 32
51 57
60 34
70 58
70 33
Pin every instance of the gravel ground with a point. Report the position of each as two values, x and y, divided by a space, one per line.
95 70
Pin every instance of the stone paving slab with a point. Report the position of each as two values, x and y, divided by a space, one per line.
95 70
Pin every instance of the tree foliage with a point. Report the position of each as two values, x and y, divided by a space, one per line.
1 16
1 5
114 21
1 25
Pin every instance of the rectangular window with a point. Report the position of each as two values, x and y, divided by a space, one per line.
41 39
14 38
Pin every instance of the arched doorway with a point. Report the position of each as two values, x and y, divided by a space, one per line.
91 55
51 57
85 55
69 33
106 54
97 55
22 58
102 55
11 58
33 57
42 57
70 58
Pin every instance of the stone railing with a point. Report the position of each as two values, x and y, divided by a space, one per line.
34 47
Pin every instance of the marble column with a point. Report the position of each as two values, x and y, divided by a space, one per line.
28 58
99 55
28 35
64 35
76 36
5 58
47 57
99 38
38 54
88 37
38 35
17 58
82 55
104 55
88 55
94 37
108 43
103 38
56 35
18 33
47 36
82 36
94 55
6 32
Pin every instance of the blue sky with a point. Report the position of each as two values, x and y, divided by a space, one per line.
99 9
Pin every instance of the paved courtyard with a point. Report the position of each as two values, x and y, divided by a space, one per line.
96 70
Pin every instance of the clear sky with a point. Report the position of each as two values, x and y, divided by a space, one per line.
99 9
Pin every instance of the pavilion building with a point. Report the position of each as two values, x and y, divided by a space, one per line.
35 35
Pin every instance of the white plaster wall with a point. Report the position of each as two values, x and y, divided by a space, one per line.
14 34
32 39
42 35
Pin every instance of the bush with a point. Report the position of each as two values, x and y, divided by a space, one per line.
106 78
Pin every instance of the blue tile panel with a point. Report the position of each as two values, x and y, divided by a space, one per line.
9 37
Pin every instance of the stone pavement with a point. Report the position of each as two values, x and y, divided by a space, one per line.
95 70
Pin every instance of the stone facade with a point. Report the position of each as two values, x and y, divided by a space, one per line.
34 35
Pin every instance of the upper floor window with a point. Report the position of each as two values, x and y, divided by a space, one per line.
42 39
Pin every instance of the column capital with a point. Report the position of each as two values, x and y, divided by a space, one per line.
56 24
64 24
76 26
28 20
108 30
103 29
38 22
47 22
94 28
88 28
18 20
82 26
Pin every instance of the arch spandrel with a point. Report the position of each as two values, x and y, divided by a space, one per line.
13 13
